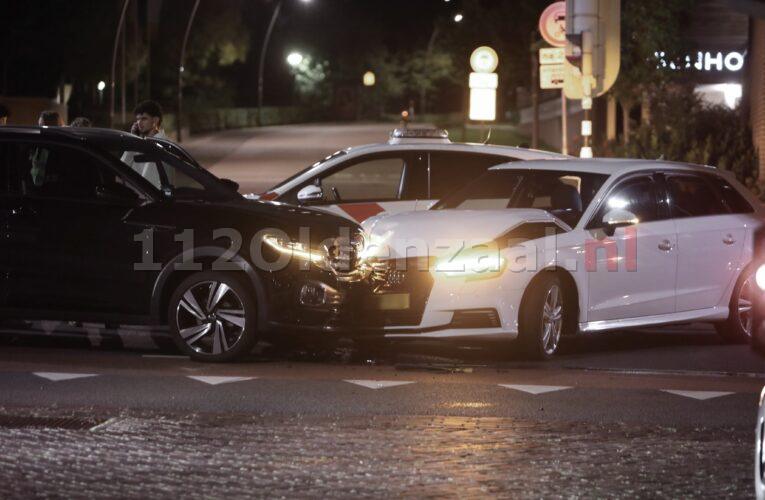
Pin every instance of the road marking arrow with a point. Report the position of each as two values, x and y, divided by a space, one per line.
220 380
536 389
378 384
57 377
700 395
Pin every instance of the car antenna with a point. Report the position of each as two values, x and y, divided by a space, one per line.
488 136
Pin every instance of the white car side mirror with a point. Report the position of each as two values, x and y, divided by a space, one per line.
310 193
618 218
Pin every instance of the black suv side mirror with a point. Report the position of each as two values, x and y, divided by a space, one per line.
232 185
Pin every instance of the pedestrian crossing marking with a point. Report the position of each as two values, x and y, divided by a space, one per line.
378 384
535 389
700 395
58 377
219 380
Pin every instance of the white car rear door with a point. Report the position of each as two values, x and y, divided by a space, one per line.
710 241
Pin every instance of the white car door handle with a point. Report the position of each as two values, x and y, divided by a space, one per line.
729 239
665 245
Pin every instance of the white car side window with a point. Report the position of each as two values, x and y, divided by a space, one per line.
378 179
636 195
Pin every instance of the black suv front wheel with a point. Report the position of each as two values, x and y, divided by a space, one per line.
212 316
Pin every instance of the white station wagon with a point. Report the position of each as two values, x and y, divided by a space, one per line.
413 170
540 249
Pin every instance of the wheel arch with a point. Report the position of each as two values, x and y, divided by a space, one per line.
169 278
570 290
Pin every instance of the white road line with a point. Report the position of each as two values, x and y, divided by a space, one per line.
169 356
681 373
378 384
535 389
57 377
700 395
219 380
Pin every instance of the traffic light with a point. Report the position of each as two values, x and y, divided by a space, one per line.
598 59
574 50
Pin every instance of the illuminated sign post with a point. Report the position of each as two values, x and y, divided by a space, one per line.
483 84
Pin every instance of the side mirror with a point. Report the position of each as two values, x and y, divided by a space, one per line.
232 185
310 193
618 218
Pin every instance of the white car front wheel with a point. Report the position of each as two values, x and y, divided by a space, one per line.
542 317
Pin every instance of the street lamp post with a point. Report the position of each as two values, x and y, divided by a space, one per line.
114 61
262 62
179 119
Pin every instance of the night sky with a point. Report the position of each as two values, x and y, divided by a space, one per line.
45 42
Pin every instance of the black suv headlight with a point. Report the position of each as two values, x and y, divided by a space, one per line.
340 255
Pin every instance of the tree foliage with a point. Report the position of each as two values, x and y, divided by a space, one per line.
686 129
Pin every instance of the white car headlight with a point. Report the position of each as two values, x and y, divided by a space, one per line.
759 277
471 265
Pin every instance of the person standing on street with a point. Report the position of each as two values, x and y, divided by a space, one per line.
81 121
50 118
148 119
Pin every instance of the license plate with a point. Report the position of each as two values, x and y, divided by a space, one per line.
391 301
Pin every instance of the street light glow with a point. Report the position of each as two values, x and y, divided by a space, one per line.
101 86
294 59
458 18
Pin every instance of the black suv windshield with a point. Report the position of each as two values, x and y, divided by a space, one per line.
168 173
564 194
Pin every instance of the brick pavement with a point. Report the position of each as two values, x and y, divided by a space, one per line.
148 455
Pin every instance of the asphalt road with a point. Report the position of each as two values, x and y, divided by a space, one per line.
87 412
656 413
259 158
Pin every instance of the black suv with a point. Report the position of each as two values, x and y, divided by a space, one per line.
100 225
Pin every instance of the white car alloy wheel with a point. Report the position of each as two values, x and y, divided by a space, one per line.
738 327
212 317
552 320
744 307
541 320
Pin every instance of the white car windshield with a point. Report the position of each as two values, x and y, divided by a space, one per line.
564 194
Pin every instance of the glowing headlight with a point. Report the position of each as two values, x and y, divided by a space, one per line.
296 249
759 277
471 265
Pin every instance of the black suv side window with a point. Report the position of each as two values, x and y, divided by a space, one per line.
451 170
7 185
55 171
693 196
637 195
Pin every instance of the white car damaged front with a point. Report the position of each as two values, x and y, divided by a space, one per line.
537 250
481 263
